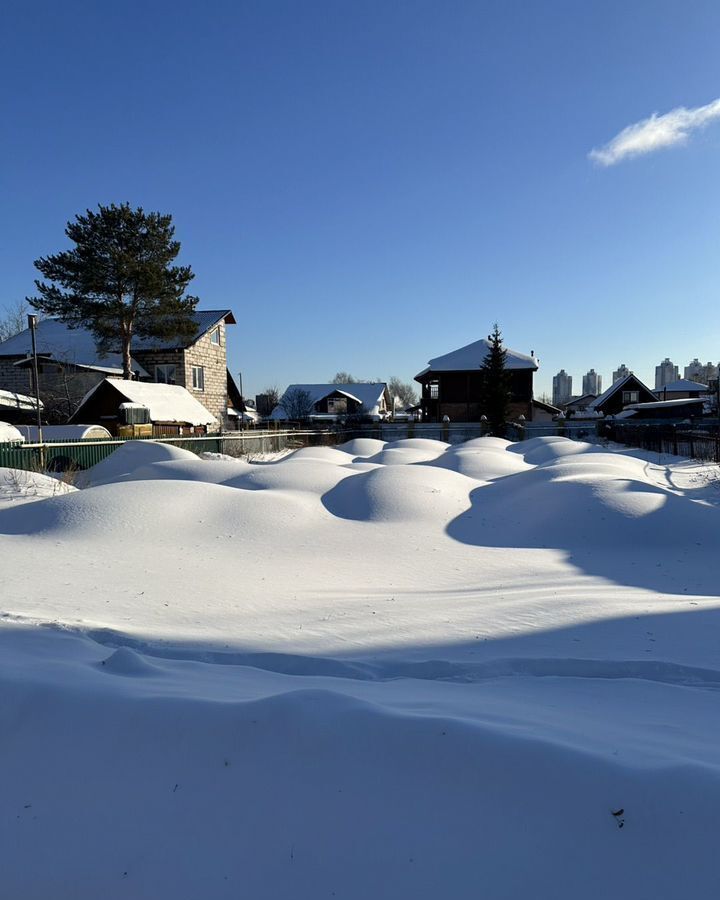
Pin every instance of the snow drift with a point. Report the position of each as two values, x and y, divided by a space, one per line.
410 670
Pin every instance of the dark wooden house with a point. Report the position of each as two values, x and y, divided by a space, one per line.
626 391
452 384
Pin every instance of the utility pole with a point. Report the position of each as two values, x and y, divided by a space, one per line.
242 404
32 324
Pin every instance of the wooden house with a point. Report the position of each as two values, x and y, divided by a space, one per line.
452 384
628 390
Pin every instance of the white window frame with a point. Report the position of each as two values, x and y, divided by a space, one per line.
198 378
164 367
215 336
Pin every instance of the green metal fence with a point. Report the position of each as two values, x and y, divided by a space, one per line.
62 456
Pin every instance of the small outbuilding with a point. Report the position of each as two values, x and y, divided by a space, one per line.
138 409
684 389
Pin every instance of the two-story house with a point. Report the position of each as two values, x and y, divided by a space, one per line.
70 365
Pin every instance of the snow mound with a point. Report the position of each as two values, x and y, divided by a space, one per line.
362 446
325 454
9 434
481 462
125 661
482 442
402 456
427 445
212 471
168 513
129 457
18 486
584 503
293 474
543 449
401 494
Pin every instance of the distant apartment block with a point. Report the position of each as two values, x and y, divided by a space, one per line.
665 373
592 383
562 388
696 371
622 371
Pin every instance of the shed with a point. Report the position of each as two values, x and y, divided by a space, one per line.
172 409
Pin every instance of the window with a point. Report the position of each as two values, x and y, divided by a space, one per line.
165 374
434 390
337 405
631 396
215 337
198 378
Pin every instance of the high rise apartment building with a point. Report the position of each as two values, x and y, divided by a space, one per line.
665 373
592 383
622 371
562 388
696 371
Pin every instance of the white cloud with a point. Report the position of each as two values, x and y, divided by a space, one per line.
655 133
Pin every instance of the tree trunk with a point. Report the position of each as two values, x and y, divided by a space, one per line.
127 362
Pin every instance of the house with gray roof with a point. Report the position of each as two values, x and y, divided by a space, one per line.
330 402
70 365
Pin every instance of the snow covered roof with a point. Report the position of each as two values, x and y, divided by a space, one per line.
667 404
110 364
166 402
77 345
618 386
73 345
11 400
63 432
369 395
473 356
683 384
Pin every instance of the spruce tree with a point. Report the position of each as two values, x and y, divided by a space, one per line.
118 281
495 384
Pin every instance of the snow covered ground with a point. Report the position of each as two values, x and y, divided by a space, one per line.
399 670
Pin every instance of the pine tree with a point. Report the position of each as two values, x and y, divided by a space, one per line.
495 384
118 281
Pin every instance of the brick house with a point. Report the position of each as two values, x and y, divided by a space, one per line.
70 365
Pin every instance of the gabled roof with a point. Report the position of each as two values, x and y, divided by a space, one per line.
369 395
618 386
580 399
683 384
472 357
77 345
166 402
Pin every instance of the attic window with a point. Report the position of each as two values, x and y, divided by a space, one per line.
215 337
631 396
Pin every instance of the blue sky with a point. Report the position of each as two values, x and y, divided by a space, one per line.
371 184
